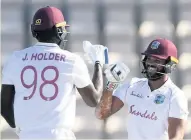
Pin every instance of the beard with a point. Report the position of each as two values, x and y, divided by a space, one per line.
152 73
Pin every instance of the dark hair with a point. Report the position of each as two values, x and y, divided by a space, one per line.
53 35
48 35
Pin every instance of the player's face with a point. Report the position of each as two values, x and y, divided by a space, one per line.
154 64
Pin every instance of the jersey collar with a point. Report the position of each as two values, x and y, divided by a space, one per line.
46 44
164 86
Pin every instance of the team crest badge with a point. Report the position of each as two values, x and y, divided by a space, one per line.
159 99
155 45
38 22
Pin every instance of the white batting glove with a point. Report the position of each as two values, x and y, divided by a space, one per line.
116 74
96 53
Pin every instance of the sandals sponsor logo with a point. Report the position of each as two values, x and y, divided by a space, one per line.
145 114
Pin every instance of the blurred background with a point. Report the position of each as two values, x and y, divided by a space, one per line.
125 26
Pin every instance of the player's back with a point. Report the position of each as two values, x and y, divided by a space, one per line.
45 96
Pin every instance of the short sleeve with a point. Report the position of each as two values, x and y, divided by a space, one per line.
8 71
179 106
81 75
121 92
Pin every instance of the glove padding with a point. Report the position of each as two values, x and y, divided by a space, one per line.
96 53
116 74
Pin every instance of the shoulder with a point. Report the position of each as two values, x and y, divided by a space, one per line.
11 57
71 55
78 59
19 53
134 82
138 81
10 63
79 63
178 103
176 92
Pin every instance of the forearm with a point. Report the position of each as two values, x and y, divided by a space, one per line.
98 78
103 109
176 129
8 114
176 138
176 135
7 103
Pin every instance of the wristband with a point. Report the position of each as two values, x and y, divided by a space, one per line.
111 86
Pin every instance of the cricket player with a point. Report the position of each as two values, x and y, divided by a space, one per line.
157 108
39 83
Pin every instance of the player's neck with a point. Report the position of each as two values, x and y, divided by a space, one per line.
49 41
158 83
